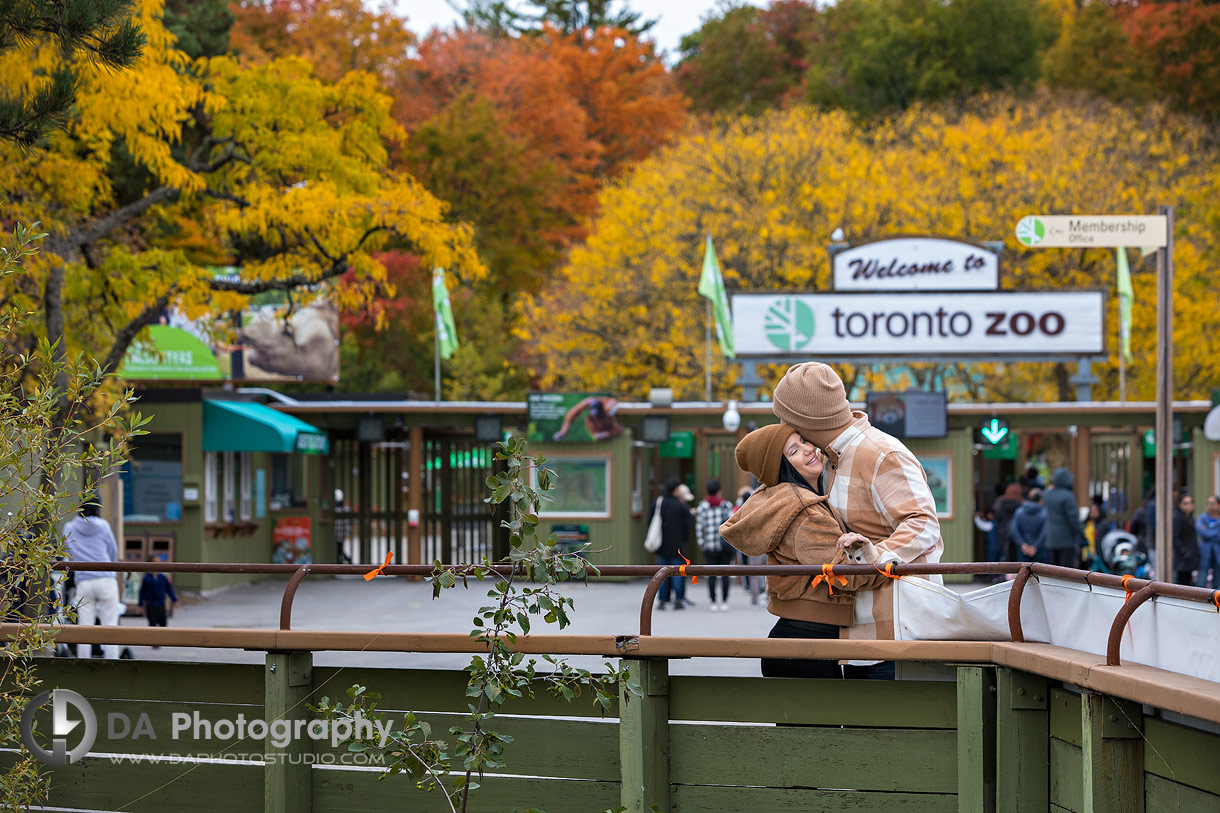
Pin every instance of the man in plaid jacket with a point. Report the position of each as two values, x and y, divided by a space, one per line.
876 488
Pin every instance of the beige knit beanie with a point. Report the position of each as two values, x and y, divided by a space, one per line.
761 451
810 396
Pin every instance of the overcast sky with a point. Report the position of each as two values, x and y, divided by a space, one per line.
676 18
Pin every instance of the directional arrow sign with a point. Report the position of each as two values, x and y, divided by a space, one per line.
1092 231
994 430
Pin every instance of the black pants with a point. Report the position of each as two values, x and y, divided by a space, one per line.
155 614
807 668
1065 557
1184 577
724 557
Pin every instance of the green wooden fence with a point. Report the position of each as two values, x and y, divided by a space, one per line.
996 739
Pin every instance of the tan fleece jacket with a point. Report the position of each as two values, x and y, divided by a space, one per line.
794 526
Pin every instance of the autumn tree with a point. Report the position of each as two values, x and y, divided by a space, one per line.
84 35
1182 41
748 59
507 18
885 55
624 313
1094 53
335 36
290 174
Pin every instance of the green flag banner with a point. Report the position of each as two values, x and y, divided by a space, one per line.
711 285
1125 295
446 333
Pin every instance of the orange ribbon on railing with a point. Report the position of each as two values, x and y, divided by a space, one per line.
1216 599
1124 580
682 569
888 571
372 574
828 574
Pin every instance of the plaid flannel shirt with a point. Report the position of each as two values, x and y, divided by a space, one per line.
877 487
708 519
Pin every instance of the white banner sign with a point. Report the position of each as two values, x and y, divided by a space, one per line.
915 264
1092 231
954 324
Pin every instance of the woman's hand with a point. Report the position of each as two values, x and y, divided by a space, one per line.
852 540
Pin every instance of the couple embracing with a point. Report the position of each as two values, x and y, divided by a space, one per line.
835 489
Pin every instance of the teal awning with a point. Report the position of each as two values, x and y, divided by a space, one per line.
246 426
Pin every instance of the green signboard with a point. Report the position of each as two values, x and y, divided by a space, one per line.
571 417
680 444
172 353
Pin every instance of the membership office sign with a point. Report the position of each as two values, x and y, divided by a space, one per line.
1015 323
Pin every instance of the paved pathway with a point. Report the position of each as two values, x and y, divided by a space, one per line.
397 605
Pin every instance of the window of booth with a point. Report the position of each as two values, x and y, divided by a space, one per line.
228 493
247 488
211 507
152 479
288 481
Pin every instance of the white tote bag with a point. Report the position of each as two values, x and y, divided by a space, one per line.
652 539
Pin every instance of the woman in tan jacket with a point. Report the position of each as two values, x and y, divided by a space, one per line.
787 520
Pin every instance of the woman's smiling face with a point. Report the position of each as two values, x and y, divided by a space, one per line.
804 457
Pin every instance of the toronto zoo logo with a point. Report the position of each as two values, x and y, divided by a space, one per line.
61 726
788 324
1030 230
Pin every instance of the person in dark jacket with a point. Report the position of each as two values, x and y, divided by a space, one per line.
676 522
1096 526
1004 508
154 589
1064 531
1028 528
1185 542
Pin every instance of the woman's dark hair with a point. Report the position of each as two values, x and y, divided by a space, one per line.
671 484
90 509
789 474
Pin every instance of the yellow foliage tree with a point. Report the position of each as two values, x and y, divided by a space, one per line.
287 173
625 315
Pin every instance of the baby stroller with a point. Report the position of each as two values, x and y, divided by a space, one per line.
1119 554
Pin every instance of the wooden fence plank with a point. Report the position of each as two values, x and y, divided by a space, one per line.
753 800
95 783
348 791
1162 794
443 690
1182 754
1065 716
784 757
1112 754
644 738
155 680
1022 742
976 738
871 704
1066 775
287 775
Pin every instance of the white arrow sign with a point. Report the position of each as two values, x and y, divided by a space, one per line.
994 432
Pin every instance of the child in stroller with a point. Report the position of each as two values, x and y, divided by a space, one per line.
1119 554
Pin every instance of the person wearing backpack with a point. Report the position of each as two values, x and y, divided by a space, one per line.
712 512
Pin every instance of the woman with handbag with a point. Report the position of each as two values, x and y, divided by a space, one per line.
667 533
788 520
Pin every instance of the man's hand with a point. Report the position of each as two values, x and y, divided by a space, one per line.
1029 550
853 540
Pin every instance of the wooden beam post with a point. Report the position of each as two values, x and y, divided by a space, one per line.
976 739
644 737
287 777
1022 742
1112 753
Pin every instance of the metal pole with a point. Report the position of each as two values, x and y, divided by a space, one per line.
436 355
707 358
1122 373
1164 403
